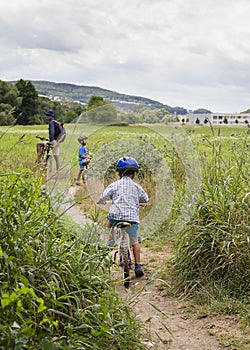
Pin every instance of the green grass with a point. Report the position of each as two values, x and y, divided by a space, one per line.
211 260
55 288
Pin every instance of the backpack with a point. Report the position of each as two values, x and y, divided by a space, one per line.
60 132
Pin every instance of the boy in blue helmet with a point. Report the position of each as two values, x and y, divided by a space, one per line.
126 196
83 157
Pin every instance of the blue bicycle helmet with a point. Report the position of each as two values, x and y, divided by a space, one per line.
127 164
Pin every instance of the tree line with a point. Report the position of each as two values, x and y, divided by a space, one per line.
21 104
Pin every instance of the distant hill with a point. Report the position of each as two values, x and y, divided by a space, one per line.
83 93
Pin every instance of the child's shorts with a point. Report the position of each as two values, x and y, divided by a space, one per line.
131 230
82 165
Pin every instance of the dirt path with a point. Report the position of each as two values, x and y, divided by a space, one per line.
159 312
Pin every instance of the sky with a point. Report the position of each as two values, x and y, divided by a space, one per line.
187 53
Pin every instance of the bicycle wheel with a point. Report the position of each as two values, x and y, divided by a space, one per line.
49 167
125 262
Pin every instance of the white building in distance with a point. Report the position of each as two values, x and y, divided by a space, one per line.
217 118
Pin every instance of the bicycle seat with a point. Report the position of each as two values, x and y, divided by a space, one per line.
123 224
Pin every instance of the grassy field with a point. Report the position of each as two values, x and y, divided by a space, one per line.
197 179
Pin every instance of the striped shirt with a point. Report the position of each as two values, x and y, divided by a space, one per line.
126 196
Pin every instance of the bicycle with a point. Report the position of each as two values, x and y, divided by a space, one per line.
46 155
123 255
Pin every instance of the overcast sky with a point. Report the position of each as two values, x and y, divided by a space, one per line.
188 53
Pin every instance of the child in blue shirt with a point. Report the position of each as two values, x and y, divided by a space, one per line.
83 157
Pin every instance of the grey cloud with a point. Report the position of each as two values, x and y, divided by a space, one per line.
188 51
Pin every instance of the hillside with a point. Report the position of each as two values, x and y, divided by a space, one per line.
83 93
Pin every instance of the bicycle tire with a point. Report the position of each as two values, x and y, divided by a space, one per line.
125 266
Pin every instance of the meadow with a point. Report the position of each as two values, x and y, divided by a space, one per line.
197 178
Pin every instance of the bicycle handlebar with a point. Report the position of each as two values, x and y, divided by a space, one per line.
42 138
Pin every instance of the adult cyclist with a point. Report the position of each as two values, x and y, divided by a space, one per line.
52 139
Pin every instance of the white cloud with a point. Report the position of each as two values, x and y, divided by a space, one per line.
187 53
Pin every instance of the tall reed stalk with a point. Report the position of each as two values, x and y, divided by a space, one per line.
214 248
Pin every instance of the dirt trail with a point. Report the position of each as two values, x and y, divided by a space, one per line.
159 312
146 299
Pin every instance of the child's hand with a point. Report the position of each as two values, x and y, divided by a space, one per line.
101 201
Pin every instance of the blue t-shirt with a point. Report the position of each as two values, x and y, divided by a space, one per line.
82 150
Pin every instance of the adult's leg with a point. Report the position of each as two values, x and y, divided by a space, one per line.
56 157
55 152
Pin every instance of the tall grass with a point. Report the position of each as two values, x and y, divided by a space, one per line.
55 290
213 252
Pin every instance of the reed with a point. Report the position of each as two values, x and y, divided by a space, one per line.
213 249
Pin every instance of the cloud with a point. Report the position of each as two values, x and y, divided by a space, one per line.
177 52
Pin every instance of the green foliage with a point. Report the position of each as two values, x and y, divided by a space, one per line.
54 287
95 102
214 248
84 93
104 114
201 111
29 105
142 114
20 101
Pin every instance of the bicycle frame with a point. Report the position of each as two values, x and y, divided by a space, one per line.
45 149
123 254
46 160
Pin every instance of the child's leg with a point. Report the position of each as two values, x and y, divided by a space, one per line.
79 175
133 231
137 252
111 241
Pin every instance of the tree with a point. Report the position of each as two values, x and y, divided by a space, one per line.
6 114
4 89
8 103
27 112
11 96
202 111
95 102
105 114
